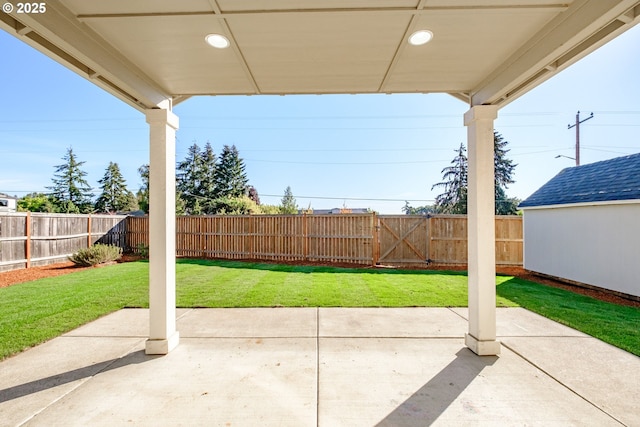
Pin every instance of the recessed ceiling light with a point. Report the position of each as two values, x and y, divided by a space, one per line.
217 40
420 37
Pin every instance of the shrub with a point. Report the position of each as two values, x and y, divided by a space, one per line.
96 254
142 250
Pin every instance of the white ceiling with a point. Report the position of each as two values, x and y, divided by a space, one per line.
483 51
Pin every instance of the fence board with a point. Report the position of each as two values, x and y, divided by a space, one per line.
509 240
448 239
12 239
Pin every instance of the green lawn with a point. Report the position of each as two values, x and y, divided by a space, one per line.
33 312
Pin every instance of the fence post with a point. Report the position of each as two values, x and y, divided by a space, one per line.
305 236
428 242
252 236
376 240
89 231
27 244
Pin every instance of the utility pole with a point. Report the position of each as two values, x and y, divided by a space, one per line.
577 126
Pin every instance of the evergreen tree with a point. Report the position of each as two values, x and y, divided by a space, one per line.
230 176
70 190
504 169
207 190
115 196
454 198
288 204
189 177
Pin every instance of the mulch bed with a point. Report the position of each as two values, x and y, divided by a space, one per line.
13 277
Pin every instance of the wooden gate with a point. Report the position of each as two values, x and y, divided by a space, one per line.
441 239
403 239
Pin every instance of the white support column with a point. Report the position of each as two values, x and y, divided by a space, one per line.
481 338
163 336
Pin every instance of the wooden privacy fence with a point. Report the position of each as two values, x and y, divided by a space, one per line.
31 239
442 239
358 238
328 238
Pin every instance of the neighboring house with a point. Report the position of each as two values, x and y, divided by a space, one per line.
584 225
335 211
8 203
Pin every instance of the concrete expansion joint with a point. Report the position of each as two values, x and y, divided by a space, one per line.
317 366
451 309
558 381
81 382
543 336
186 313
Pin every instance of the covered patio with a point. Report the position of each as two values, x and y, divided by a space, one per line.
155 54
321 367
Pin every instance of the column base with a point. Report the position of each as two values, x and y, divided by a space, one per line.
162 346
482 348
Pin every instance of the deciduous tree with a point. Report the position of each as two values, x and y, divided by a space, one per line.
36 202
418 210
143 192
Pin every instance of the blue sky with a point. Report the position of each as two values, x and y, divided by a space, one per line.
334 151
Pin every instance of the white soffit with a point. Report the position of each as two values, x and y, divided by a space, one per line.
483 51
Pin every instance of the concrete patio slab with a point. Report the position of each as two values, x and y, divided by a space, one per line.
202 382
41 376
249 322
320 367
519 322
408 382
589 367
123 323
417 322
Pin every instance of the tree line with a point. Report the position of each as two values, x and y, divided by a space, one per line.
206 184
210 184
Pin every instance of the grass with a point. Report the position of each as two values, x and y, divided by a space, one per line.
612 323
36 311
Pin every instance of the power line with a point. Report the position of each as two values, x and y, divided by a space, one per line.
606 151
344 163
293 118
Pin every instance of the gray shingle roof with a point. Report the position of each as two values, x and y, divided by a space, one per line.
609 180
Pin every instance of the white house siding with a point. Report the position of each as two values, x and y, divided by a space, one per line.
597 244
7 204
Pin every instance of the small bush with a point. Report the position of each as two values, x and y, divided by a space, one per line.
142 250
96 254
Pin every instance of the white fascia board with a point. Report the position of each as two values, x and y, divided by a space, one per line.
59 35
576 205
582 28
